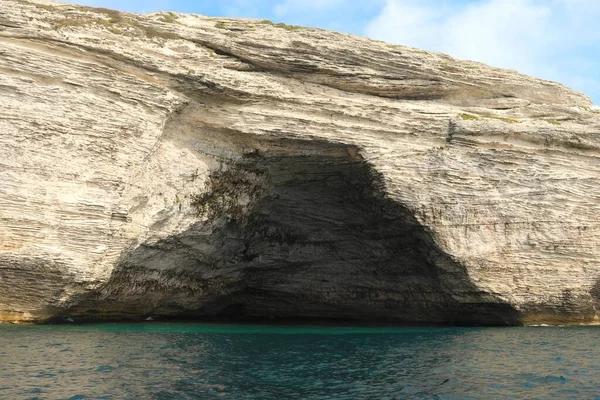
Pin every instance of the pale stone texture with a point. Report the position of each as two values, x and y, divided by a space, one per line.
185 166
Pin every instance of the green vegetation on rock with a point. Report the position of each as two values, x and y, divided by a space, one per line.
281 25
552 122
471 117
500 118
113 21
169 18
468 117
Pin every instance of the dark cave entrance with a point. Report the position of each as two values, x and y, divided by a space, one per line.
298 230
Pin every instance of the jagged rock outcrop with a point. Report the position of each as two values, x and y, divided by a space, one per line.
184 166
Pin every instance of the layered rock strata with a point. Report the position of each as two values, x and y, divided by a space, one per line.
173 165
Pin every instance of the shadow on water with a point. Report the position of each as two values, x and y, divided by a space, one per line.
295 230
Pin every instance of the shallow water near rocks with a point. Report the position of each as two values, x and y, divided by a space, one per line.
207 361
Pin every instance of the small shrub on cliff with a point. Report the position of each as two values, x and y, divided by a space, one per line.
468 117
169 18
46 7
552 122
152 32
288 27
417 51
504 119
281 25
111 14
70 22
113 21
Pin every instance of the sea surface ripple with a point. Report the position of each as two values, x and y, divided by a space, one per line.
210 361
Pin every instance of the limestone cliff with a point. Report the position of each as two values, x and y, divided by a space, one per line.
185 166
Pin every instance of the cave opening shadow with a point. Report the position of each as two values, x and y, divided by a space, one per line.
306 233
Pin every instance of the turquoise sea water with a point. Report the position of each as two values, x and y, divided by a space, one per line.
198 361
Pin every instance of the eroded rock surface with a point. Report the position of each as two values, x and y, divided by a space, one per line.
184 166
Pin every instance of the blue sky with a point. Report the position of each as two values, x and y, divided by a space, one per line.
552 39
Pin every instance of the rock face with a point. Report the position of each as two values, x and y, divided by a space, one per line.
183 166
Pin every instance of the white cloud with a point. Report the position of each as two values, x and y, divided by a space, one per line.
553 39
500 32
507 33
